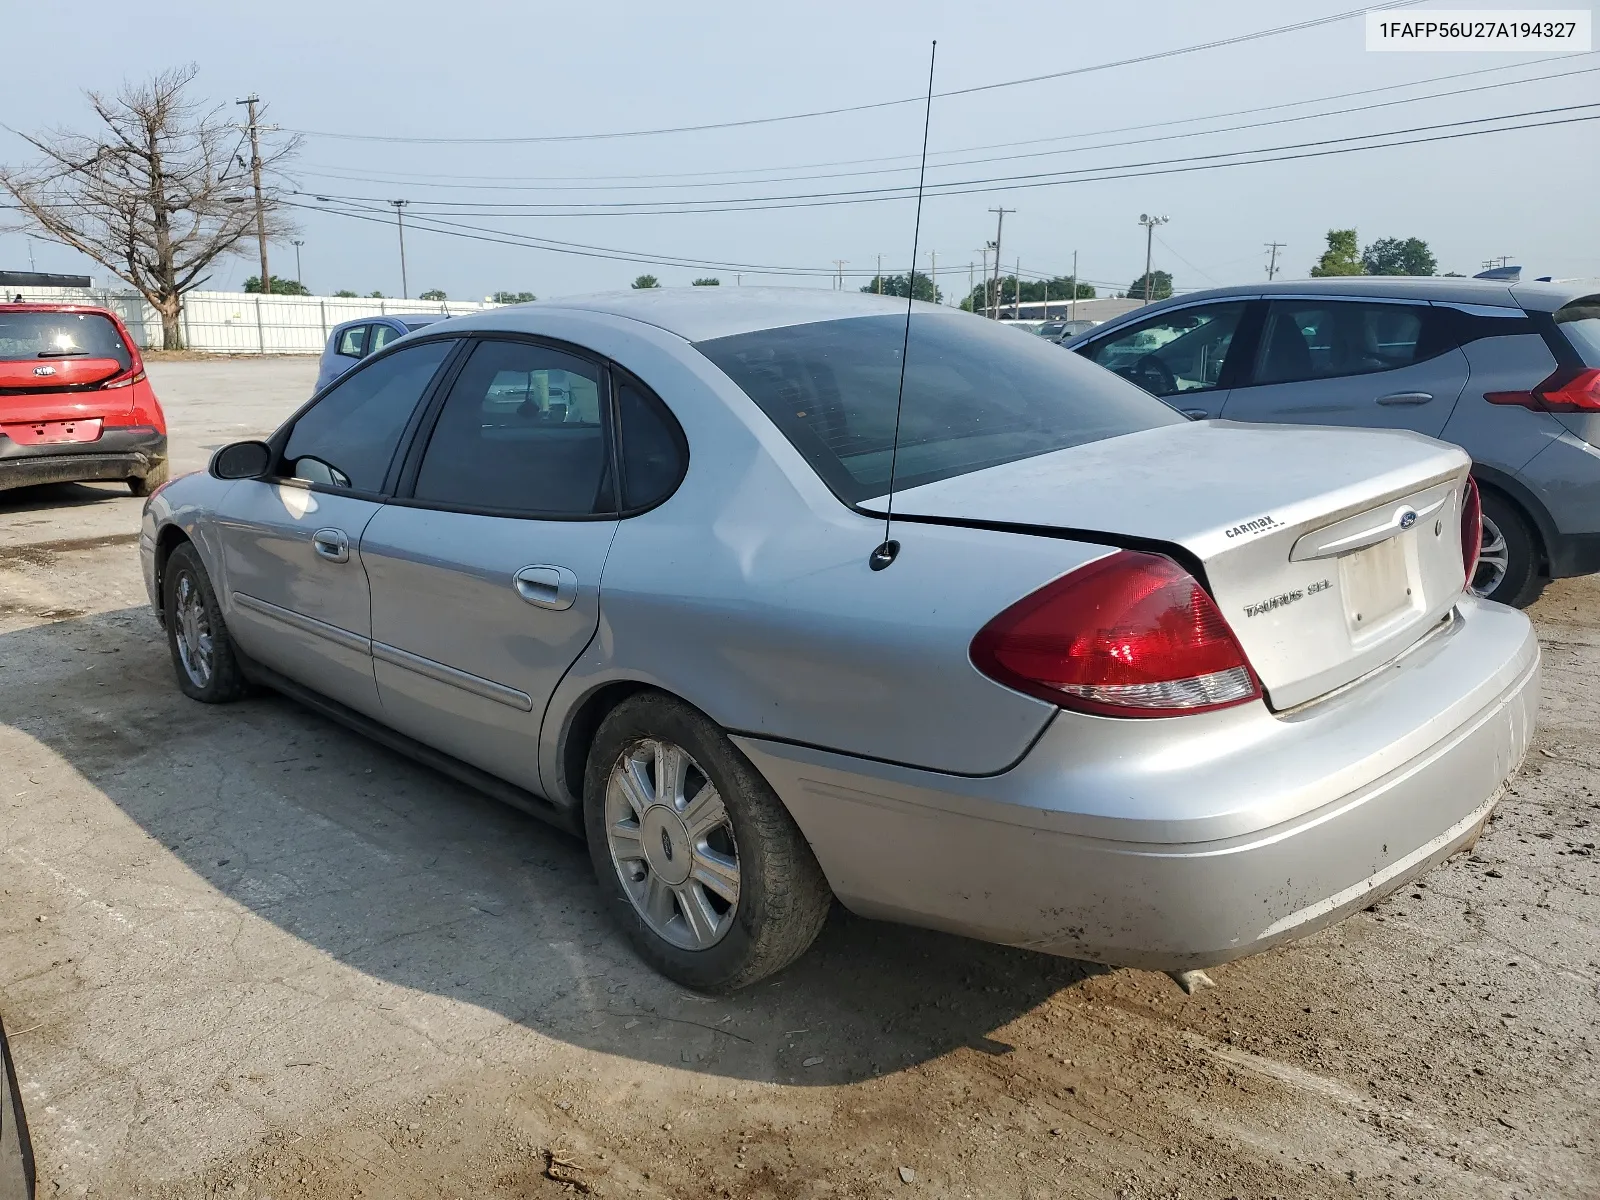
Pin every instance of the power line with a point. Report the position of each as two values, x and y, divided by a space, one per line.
991 183
507 187
407 177
1157 56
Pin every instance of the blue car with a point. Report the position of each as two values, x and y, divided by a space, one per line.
351 341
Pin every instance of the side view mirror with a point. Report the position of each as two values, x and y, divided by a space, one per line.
242 460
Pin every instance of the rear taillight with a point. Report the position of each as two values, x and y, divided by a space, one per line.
122 381
1566 391
1471 528
1130 635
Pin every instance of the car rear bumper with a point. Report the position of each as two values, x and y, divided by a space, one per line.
1183 843
119 453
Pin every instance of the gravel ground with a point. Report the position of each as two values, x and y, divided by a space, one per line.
245 953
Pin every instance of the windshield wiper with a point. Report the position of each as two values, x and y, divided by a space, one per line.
60 353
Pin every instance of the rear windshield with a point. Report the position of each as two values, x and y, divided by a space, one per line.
976 395
1581 323
27 335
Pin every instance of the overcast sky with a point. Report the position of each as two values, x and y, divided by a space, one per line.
508 70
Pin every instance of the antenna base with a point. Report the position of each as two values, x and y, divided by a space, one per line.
884 555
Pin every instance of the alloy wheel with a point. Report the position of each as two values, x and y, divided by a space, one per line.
672 844
1494 560
193 630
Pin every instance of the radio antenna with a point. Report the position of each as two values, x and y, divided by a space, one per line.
890 549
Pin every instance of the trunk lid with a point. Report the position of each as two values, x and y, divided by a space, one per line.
1329 551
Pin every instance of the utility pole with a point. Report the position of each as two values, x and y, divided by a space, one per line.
1074 309
400 225
1047 298
933 274
999 225
255 130
1149 224
1272 266
1016 293
297 243
839 265
878 279
1490 264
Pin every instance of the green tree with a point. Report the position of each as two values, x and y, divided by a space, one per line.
646 281
280 287
345 293
708 281
375 294
1341 257
1160 286
1033 290
1399 256
895 285
514 297
433 294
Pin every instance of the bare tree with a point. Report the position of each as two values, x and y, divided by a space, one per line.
156 195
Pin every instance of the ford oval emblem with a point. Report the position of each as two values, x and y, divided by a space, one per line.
1407 519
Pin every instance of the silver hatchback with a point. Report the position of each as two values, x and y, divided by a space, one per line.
1107 683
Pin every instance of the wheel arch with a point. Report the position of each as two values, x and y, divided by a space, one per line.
1519 495
581 723
168 539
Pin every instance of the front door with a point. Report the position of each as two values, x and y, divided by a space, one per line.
1368 363
486 577
297 597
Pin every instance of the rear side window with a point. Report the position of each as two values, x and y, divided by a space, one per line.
976 395
1579 323
654 453
520 434
47 335
352 341
1329 339
347 439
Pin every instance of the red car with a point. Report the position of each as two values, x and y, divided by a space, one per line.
74 401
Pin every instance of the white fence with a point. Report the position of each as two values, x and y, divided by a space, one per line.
242 322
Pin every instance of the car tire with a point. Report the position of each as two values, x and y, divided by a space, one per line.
655 832
143 485
1508 565
197 636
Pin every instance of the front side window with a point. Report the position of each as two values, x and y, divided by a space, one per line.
976 395
352 341
347 439
382 335
1175 353
1329 339
521 433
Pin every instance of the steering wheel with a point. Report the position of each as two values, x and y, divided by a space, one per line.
1154 376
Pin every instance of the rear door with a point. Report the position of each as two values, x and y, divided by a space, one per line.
486 571
298 599
1179 354
1333 361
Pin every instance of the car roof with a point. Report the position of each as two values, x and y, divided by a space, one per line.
40 306
699 314
1535 296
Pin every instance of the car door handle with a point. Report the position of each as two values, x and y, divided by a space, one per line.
1194 414
1406 398
547 587
331 544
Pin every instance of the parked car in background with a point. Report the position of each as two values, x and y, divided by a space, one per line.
1508 371
616 560
351 341
1057 331
75 405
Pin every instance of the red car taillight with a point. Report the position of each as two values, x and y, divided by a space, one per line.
1471 529
125 380
1565 391
1130 635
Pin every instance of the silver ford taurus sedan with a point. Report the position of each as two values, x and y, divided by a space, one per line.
1116 685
